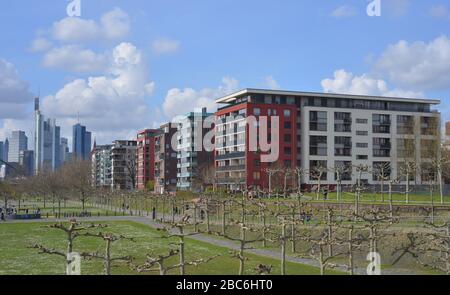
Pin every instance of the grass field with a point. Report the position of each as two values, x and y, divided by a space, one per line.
17 259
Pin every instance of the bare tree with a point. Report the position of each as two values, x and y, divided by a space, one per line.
79 180
73 231
107 257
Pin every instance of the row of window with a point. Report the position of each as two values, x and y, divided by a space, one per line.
380 171
381 123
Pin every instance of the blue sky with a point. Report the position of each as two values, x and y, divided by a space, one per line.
184 53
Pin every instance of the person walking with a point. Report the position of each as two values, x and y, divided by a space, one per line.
3 216
154 213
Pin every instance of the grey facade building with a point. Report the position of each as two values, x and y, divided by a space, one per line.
18 142
123 165
191 154
102 166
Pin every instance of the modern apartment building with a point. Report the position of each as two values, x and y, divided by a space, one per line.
238 167
319 130
123 165
102 166
18 142
81 144
193 157
165 160
145 157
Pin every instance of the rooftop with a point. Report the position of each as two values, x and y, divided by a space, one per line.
233 96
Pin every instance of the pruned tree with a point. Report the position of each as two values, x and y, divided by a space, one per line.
430 249
317 174
243 242
73 231
107 257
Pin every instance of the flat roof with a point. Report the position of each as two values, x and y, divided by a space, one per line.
231 97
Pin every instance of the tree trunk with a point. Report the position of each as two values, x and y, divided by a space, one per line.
108 258
242 251
224 215
182 259
283 249
350 251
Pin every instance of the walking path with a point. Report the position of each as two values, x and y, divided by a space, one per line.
217 242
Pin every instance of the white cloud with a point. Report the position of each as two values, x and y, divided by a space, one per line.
344 11
419 65
346 83
113 105
75 59
40 44
440 12
165 46
271 83
181 101
113 25
14 92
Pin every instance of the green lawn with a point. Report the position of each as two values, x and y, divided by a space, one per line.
17 259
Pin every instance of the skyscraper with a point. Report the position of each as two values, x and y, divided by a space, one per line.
2 151
47 142
64 150
81 145
17 143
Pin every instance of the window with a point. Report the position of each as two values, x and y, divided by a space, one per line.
287 138
362 145
342 146
362 157
318 121
287 151
343 170
381 123
381 147
287 164
257 111
318 170
287 113
362 133
256 175
405 124
362 121
287 125
318 146
342 122
381 171
428 148
405 148
429 125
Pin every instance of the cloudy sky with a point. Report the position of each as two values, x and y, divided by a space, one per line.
129 65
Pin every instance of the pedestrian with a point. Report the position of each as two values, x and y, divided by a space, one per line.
3 216
154 213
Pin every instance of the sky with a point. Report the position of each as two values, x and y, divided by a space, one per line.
123 66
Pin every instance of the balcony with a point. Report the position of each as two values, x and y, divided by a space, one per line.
231 168
231 156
